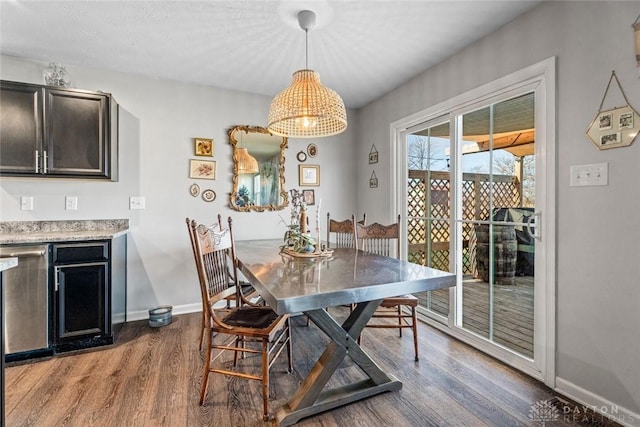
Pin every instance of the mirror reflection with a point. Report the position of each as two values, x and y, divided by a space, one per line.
258 169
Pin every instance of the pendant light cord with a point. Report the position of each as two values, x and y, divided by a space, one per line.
306 48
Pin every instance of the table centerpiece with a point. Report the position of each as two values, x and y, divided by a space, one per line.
298 241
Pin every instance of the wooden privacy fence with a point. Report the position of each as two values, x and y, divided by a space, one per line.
429 213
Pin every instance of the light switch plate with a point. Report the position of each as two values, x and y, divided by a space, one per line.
589 175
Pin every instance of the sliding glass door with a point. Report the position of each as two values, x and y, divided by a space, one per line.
497 200
476 185
428 207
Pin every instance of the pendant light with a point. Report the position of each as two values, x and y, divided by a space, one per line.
246 162
307 109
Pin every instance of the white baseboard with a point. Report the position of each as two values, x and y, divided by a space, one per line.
132 316
598 404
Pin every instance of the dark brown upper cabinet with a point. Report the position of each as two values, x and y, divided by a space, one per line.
57 132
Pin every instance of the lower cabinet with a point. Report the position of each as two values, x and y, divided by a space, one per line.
83 289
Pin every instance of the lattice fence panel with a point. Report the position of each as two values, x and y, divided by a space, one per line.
475 194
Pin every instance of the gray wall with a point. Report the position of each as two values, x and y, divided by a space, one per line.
598 268
158 121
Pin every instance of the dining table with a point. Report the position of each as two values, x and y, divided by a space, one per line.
311 285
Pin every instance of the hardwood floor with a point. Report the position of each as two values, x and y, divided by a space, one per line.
151 377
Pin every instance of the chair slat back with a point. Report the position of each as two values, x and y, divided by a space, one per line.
192 238
343 236
216 263
379 239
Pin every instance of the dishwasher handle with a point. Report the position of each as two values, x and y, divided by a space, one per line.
23 253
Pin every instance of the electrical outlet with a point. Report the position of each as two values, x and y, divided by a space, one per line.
26 203
71 203
136 202
589 175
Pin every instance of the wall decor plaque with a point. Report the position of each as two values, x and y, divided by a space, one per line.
203 147
208 195
616 127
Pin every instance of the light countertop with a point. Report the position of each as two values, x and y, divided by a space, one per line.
16 232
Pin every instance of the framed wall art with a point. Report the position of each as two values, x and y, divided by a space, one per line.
203 147
202 169
616 127
194 190
373 155
312 150
309 197
373 180
613 128
309 175
208 195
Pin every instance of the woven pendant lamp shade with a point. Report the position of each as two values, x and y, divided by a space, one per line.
246 162
307 109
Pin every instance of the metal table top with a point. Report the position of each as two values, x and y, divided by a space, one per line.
292 285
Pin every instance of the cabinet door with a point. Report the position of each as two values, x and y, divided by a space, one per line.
20 128
82 300
76 133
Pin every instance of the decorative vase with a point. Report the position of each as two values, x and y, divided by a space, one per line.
303 221
56 75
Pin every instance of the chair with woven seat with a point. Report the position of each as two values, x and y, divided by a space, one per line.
242 325
246 288
381 240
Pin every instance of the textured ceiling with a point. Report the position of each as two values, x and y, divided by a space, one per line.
362 49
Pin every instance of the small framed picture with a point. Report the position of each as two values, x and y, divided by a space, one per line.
203 147
202 169
614 128
626 121
194 190
208 195
309 175
610 138
309 197
373 181
605 121
373 155
312 150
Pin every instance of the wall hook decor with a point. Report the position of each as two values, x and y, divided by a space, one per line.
616 127
373 155
373 181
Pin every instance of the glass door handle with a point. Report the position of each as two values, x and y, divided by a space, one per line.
533 228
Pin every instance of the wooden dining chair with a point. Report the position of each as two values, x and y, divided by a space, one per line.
385 240
340 235
192 239
244 326
248 293
341 232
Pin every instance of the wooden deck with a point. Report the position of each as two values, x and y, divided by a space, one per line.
512 311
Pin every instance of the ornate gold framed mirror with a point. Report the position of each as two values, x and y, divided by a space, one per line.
258 169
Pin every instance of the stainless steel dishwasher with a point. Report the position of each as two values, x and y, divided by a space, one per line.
26 287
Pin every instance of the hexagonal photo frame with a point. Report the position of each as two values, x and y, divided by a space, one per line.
614 128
